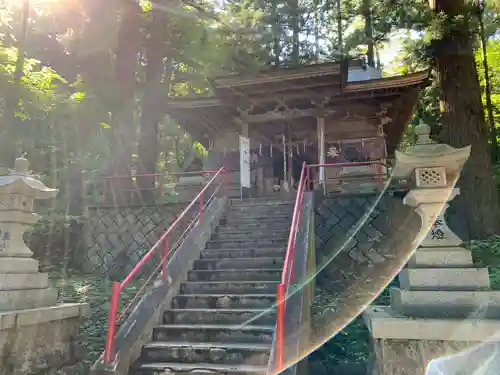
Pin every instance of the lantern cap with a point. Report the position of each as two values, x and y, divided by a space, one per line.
427 153
21 181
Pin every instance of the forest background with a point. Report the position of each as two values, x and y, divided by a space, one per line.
84 83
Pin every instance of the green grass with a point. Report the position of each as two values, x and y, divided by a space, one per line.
95 291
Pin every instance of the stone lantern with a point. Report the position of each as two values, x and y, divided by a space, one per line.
21 285
18 192
435 310
36 333
432 169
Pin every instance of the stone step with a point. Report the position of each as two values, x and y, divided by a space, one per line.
248 243
22 281
446 304
236 275
214 301
174 368
245 253
258 233
27 299
253 228
261 201
441 257
444 279
207 352
252 220
238 263
214 332
220 316
266 205
256 216
258 211
223 287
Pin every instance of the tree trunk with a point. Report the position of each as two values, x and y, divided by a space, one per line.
9 154
317 11
367 14
151 105
276 34
339 29
124 132
464 124
294 13
487 85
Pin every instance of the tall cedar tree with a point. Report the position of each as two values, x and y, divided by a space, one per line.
463 118
127 49
152 106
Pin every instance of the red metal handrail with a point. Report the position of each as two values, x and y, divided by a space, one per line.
287 275
181 174
108 180
118 287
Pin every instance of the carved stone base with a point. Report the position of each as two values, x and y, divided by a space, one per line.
22 286
27 299
386 323
405 346
18 265
411 357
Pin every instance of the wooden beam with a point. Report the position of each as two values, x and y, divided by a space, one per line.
288 114
278 88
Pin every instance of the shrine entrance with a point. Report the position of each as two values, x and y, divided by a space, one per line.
263 127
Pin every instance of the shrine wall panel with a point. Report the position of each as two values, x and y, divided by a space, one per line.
227 141
338 129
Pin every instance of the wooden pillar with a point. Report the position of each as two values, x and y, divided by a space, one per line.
244 161
321 147
290 157
286 178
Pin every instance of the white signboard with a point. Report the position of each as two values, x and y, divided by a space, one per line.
245 162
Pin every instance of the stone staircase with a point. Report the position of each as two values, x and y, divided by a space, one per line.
222 321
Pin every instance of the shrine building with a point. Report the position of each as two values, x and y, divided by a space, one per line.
343 116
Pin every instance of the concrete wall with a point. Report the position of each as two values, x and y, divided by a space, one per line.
38 341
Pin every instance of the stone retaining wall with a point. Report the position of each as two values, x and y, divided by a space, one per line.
115 238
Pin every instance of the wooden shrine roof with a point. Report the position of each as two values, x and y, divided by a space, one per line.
293 95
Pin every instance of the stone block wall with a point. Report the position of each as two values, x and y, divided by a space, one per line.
337 219
117 237
358 255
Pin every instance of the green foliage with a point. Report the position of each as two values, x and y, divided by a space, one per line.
77 288
487 254
493 58
352 344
